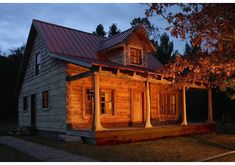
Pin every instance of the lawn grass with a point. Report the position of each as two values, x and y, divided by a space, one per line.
8 154
187 148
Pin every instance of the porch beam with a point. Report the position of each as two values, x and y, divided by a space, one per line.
79 76
184 107
210 110
96 119
148 121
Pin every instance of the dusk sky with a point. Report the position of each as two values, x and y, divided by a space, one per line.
16 19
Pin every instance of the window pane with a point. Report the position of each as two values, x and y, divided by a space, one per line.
107 102
38 64
90 104
167 104
45 99
135 56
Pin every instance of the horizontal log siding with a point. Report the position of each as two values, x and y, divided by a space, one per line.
76 117
52 77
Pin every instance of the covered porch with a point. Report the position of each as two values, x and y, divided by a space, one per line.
101 133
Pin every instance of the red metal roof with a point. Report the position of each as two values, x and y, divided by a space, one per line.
116 39
78 45
67 41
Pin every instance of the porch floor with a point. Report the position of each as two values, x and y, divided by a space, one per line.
133 134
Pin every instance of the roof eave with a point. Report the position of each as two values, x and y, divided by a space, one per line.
77 62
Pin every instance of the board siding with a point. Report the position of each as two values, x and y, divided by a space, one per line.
123 108
52 77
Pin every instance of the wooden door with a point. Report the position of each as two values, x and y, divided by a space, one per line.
137 106
33 109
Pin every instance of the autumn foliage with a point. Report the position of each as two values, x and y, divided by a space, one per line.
210 26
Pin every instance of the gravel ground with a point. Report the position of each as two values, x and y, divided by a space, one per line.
187 148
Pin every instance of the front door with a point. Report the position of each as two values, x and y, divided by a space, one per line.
33 109
137 106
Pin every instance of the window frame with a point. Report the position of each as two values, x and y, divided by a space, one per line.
38 65
25 103
84 101
112 102
141 55
165 112
48 100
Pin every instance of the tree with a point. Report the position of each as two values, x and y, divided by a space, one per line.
100 30
175 53
190 49
148 25
113 30
165 49
9 66
209 26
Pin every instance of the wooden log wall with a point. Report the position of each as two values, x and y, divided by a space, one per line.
52 77
123 98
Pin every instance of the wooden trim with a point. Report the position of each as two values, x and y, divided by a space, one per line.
79 76
84 104
129 54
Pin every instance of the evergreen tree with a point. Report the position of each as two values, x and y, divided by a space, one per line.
165 49
113 30
190 49
9 66
176 53
100 30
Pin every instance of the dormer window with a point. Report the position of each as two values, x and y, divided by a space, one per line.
135 56
38 64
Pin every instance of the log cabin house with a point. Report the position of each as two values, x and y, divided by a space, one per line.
104 90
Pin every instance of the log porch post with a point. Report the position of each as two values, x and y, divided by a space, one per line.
184 107
148 122
210 111
96 121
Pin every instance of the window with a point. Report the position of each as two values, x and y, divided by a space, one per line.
167 104
135 56
25 103
107 102
45 99
90 101
38 64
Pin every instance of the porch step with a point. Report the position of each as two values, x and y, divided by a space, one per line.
69 138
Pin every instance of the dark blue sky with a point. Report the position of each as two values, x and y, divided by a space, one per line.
15 19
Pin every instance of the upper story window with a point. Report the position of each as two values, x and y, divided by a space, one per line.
135 56
45 99
38 64
167 104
